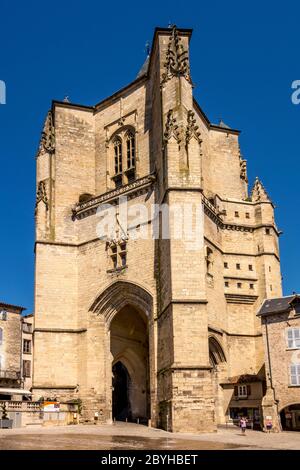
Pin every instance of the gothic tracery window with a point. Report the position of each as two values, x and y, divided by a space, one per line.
124 157
130 144
118 155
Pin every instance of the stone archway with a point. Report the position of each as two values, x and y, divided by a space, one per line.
290 417
127 310
218 364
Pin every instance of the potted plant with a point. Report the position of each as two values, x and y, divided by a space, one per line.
5 422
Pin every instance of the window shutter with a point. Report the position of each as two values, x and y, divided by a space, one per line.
236 390
248 390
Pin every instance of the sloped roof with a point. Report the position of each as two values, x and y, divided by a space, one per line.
4 305
144 68
279 305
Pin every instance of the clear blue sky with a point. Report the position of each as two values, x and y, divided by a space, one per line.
244 59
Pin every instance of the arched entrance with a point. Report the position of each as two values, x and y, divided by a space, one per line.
129 347
217 361
121 407
290 418
127 309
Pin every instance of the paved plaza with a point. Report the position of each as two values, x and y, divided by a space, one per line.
120 436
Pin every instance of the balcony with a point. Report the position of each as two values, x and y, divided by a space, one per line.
10 374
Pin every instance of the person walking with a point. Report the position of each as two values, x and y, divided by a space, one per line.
269 426
243 425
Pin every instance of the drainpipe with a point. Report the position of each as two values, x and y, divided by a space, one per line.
270 371
269 357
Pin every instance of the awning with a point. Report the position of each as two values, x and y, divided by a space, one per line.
14 391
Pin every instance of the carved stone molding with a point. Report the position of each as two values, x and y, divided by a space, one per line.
240 298
47 142
41 195
177 59
243 170
171 128
192 129
258 193
138 187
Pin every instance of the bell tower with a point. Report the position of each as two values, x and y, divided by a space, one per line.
185 397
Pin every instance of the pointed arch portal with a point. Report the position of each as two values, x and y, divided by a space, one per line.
126 308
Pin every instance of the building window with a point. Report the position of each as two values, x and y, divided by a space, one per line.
250 267
236 214
118 155
239 285
3 315
293 338
27 327
269 269
226 265
26 368
130 146
251 286
295 374
26 346
118 162
271 287
242 391
247 215
118 254
1 336
226 284
130 143
238 266
268 231
209 260
224 212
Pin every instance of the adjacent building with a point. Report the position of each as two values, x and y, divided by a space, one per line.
151 327
280 319
27 351
15 373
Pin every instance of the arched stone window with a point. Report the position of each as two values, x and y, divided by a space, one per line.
118 155
118 164
130 146
123 156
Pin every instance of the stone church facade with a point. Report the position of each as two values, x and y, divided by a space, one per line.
148 328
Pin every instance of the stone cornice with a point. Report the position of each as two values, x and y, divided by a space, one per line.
59 330
240 298
240 278
90 207
54 387
174 367
212 212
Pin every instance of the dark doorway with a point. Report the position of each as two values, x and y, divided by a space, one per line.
120 397
290 418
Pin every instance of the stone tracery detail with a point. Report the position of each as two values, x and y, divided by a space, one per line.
47 142
171 128
192 129
259 193
177 59
41 195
